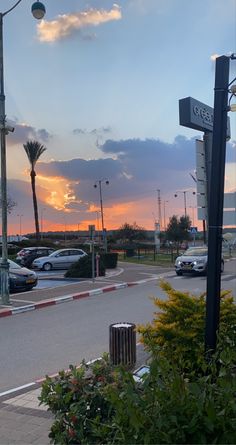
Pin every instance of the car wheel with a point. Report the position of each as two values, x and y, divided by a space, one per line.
47 267
179 273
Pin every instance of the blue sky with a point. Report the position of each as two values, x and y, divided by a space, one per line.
98 83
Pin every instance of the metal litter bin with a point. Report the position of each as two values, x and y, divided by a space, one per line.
122 343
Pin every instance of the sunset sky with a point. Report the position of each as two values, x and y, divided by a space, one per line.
98 83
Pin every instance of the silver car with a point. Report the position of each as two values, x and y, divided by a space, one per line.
194 260
60 259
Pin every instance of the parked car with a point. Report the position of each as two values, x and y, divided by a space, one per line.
21 278
26 256
60 259
194 260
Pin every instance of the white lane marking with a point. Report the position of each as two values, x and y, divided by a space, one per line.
18 388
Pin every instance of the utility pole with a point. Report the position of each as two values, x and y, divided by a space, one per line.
159 207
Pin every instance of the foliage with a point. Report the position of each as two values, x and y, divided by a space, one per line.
130 232
184 399
10 204
77 400
109 259
178 229
34 150
95 404
177 330
83 268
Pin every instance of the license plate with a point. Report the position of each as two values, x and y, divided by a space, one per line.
30 281
187 267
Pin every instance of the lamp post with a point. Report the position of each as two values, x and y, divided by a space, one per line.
41 231
164 213
185 200
65 225
38 11
99 184
20 216
193 209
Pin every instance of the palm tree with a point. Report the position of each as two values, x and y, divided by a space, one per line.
34 150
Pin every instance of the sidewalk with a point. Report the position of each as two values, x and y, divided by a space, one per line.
24 422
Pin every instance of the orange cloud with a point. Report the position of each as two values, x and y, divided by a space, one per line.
66 24
59 192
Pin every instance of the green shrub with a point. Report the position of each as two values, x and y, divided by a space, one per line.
183 400
178 329
96 404
110 259
83 268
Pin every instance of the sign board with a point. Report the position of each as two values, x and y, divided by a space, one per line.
196 115
229 215
230 201
193 230
201 178
202 213
201 200
229 218
91 229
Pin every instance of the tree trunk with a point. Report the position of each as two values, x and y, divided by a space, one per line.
36 216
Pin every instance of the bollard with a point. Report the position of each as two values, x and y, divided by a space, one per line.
122 343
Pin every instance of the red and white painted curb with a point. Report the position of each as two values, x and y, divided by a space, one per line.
57 300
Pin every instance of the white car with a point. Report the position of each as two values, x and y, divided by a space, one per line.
194 260
60 259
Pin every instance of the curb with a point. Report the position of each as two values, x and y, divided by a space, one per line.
57 300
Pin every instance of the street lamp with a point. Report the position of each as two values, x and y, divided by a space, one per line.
20 216
185 200
193 210
164 213
41 232
38 11
99 184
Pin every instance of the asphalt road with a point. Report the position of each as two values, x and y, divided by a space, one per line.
42 342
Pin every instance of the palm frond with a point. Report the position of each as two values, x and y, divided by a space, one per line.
33 150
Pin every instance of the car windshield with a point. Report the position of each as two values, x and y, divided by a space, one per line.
196 251
13 265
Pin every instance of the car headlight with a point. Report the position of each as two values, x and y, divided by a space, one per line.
198 262
178 262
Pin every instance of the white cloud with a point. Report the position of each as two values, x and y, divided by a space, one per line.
64 25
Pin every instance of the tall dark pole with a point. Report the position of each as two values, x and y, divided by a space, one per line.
38 11
185 204
101 204
4 263
216 201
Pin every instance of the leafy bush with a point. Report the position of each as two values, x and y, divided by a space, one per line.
83 268
96 404
109 259
183 400
178 329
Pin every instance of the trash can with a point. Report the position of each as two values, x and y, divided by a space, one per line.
122 343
